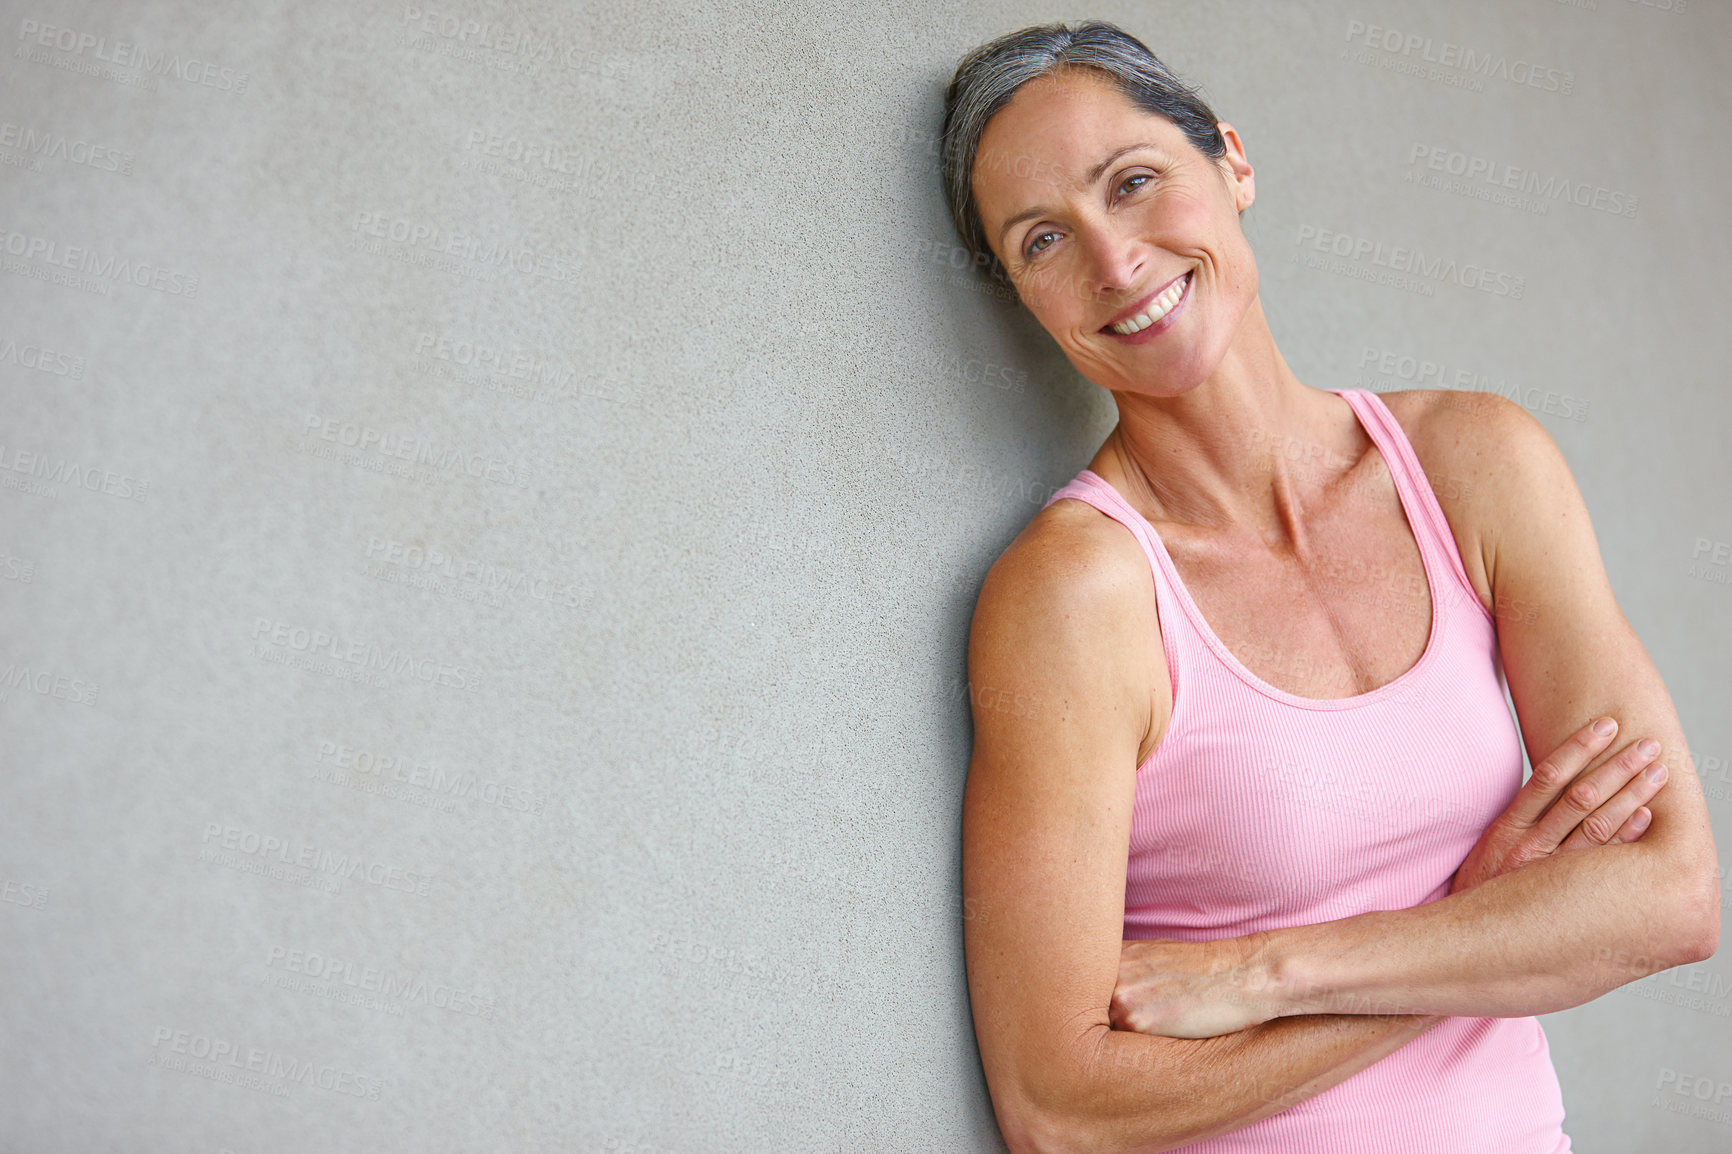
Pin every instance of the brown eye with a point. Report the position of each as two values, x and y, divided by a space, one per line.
1134 176
1031 250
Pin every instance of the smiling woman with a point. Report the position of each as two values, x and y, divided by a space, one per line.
1261 873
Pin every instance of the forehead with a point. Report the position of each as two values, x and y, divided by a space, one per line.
1051 133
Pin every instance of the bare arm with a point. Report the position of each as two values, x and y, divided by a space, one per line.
1550 935
1565 929
1064 621
1537 940
1204 989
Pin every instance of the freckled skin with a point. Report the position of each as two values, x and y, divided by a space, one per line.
1258 530
1273 503
1093 258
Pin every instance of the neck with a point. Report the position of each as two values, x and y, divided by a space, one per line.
1247 448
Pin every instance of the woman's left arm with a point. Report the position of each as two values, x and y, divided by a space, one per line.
1562 930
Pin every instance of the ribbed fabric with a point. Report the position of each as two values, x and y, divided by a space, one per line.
1261 809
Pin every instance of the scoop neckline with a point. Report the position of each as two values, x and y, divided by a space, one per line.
1389 688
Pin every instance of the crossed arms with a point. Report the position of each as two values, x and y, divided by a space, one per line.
1046 816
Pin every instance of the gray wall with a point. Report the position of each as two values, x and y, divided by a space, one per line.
486 554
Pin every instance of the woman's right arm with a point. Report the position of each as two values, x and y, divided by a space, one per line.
1066 686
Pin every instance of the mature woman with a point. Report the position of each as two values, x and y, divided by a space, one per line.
1256 869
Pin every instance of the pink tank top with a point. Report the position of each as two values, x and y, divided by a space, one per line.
1261 809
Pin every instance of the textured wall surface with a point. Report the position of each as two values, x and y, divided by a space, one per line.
492 497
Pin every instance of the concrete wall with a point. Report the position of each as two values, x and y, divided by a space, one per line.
486 554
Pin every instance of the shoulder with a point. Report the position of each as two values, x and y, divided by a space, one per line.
1069 552
1492 466
1473 442
1069 610
1071 568
1470 412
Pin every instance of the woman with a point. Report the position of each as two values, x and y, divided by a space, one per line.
1278 697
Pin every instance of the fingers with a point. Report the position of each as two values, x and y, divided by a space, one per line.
1116 1013
1611 822
1637 825
1595 807
1552 775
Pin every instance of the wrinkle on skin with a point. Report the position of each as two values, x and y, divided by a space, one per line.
1102 247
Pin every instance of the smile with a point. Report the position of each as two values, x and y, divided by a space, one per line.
1159 307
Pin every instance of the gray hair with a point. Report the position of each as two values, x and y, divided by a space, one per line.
990 75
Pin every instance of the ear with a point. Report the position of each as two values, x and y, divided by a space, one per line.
1235 168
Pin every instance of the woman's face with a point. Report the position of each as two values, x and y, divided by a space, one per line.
1096 209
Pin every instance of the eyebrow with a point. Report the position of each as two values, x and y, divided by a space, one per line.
1093 175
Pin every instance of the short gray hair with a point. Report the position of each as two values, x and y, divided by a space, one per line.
991 74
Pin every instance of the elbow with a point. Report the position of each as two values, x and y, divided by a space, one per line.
1696 924
1699 935
1675 906
1029 1129
1047 1125
1032 1130
1102 1099
1046 1112
1048 1132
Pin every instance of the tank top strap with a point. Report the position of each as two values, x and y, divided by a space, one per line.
1090 488
1430 527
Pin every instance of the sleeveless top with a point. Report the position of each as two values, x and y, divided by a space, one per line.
1261 809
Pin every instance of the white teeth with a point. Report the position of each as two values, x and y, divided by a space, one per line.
1158 308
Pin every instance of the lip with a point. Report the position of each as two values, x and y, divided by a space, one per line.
1143 305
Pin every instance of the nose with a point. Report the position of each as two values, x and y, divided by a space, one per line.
1116 262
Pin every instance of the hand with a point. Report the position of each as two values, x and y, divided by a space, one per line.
1599 808
1191 989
